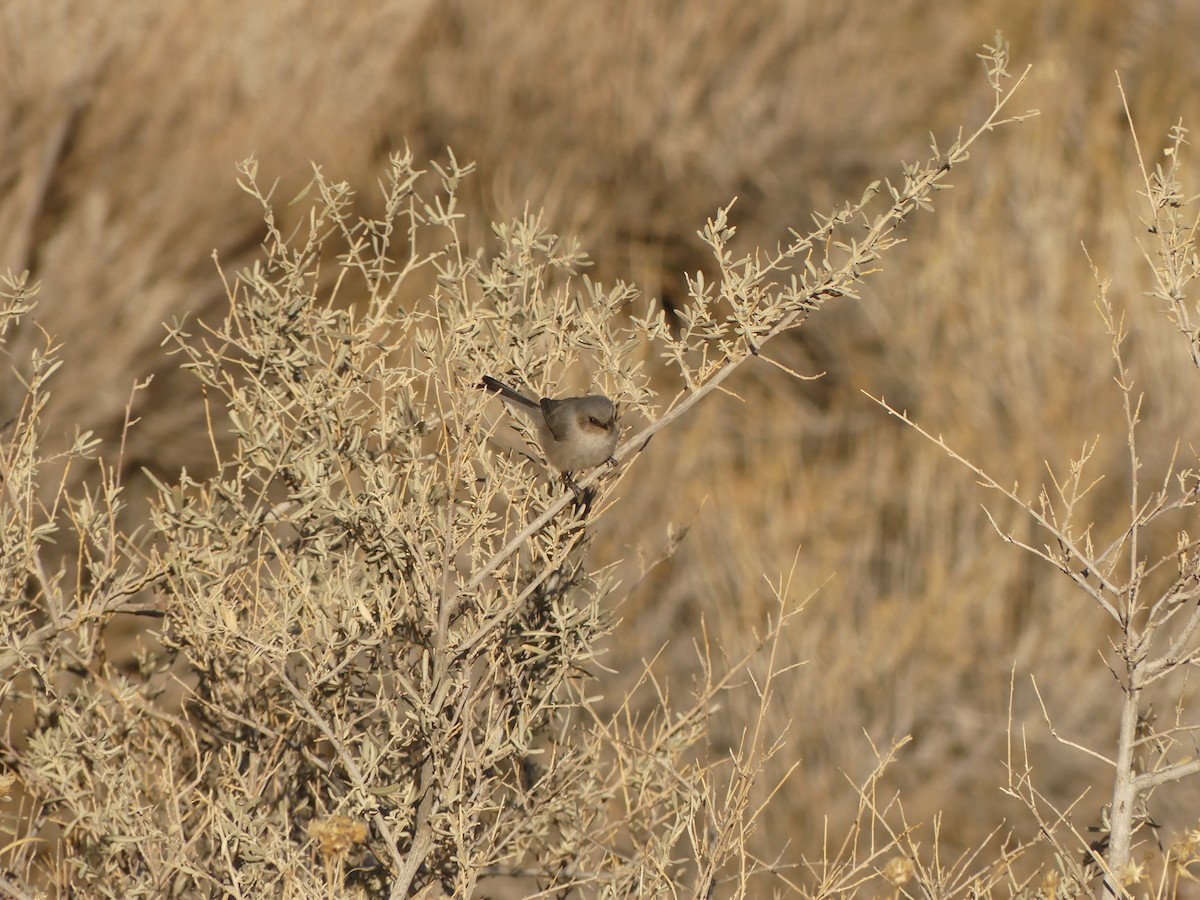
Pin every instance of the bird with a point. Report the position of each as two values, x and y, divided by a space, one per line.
576 433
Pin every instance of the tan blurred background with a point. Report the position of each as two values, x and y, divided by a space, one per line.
629 122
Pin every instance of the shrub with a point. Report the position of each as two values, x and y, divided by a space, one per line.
377 666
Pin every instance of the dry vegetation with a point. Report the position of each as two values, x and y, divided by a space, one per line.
298 614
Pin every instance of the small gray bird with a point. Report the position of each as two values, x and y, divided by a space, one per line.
576 433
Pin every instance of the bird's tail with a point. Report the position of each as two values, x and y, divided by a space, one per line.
491 384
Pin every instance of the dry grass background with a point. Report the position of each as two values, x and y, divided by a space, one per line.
629 123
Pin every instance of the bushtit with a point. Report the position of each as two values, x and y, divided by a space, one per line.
576 433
